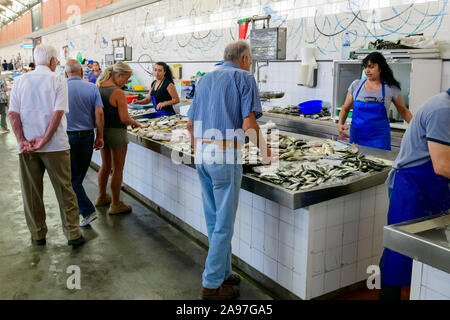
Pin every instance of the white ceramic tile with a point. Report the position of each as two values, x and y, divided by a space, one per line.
258 240
286 234
258 202
272 208
332 280
379 223
271 247
317 286
258 219
317 263
299 285
349 253
438 280
246 197
364 249
377 246
258 260
350 232
235 246
285 276
348 275
361 269
287 215
286 255
300 262
334 236
318 241
245 213
335 214
236 229
333 259
270 268
319 218
271 226
300 240
365 228
245 252
245 233
367 207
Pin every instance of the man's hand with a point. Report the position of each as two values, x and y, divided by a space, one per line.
343 129
98 144
270 158
36 144
24 146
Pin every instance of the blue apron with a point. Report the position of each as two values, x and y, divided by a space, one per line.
418 192
370 124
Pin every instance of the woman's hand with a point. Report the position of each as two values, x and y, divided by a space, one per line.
135 101
343 129
136 125
160 106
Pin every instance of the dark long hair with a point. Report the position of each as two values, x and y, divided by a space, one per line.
386 74
169 74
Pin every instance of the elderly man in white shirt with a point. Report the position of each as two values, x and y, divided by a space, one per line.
38 103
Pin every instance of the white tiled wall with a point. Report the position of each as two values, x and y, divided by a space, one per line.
429 283
309 251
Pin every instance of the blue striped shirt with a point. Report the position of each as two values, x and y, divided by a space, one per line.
223 99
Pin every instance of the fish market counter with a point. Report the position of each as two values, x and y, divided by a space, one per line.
316 127
302 244
427 241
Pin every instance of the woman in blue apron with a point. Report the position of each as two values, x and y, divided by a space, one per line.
418 184
371 99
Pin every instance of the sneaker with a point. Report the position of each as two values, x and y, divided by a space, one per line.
100 202
120 208
76 242
232 280
86 220
223 292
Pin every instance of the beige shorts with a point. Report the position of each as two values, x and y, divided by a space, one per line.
115 138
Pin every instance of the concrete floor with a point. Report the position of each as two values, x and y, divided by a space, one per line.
133 256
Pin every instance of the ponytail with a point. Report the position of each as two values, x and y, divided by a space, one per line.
119 67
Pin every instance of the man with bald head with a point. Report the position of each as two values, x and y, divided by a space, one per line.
85 113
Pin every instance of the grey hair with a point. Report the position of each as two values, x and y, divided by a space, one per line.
44 53
73 66
235 50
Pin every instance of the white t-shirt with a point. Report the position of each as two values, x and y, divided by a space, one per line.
36 95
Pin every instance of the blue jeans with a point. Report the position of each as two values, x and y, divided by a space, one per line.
220 184
81 149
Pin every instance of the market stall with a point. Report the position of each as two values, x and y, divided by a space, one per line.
301 243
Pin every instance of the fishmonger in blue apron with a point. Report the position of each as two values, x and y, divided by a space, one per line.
418 184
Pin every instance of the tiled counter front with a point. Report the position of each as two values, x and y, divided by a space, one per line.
429 283
310 251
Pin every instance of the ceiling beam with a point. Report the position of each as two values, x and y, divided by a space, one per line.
23 5
5 7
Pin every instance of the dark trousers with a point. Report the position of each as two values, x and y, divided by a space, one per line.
81 149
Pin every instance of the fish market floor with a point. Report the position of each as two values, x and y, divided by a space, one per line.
134 256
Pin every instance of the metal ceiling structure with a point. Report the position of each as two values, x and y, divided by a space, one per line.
10 10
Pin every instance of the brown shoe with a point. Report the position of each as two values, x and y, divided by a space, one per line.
103 201
223 292
120 208
232 280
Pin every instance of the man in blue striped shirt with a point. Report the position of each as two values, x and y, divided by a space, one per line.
225 108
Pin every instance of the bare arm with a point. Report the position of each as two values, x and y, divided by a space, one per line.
402 109
55 120
16 125
344 114
146 100
100 121
174 94
252 130
190 128
120 101
440 157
